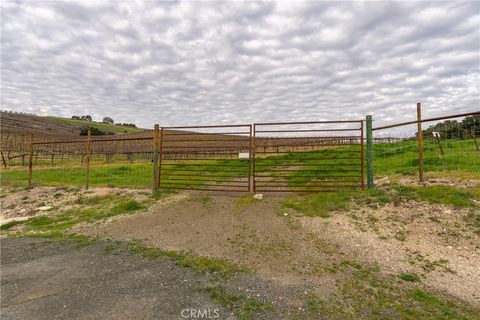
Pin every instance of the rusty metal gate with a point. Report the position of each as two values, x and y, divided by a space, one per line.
264 157
215 158
315 156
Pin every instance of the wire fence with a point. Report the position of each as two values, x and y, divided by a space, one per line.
449 147
313 156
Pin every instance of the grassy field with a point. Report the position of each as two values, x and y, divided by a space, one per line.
461 160
401 158
99 125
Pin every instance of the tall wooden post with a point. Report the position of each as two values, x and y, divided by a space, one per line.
88 152
437 138
369 152
420 142
3 159
156 147
30 161
475 139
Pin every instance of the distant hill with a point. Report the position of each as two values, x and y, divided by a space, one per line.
55 126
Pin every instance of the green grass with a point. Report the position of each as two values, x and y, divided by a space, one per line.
99 125
402 157
105 207
460 159
409 277
8 225
126 206
244 308
136 175
323 204
198 263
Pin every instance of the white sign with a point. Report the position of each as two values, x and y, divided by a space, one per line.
243 155
436 134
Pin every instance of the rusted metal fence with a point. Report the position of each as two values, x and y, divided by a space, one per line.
263 157
215 158
308 156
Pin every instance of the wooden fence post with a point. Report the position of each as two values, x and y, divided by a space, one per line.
30 161
156 147
437 138
369 153
420 142
88 152
475 139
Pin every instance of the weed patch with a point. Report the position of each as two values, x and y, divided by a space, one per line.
244 308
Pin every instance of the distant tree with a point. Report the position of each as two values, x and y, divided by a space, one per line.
452 129
86 118
75 118
94 131
126 125
108 120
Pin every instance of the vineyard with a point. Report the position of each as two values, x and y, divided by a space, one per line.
263 157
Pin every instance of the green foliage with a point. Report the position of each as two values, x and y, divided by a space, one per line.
244 308
448 195
409 277
126 206
104 207
452 129
461 157
94 131
99 125
10 224
320 204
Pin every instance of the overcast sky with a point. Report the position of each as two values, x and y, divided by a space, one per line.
184 63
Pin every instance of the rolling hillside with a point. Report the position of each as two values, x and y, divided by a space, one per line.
53 126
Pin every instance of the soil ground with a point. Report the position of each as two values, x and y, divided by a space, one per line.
289 256
274 242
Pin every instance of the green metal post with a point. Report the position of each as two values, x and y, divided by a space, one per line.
156 143
369 153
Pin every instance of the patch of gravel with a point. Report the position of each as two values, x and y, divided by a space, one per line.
25 203
430 240
46 279
252 235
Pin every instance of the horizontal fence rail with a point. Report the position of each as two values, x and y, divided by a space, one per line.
320 156
207 158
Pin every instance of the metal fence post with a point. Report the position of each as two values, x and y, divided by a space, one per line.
88 153
160 156
362 155
156 145
369 152
420 142
254 156
30 161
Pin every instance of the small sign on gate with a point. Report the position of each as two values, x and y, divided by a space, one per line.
243 155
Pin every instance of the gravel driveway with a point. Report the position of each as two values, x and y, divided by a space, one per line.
50 280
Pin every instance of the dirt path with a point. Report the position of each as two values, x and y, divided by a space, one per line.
293 250
250 234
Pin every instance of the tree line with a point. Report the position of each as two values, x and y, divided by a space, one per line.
453 129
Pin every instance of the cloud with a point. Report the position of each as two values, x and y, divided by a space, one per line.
187 63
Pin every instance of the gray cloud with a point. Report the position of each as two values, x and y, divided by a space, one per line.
184 63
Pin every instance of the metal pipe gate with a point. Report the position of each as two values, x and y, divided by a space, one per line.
319 156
